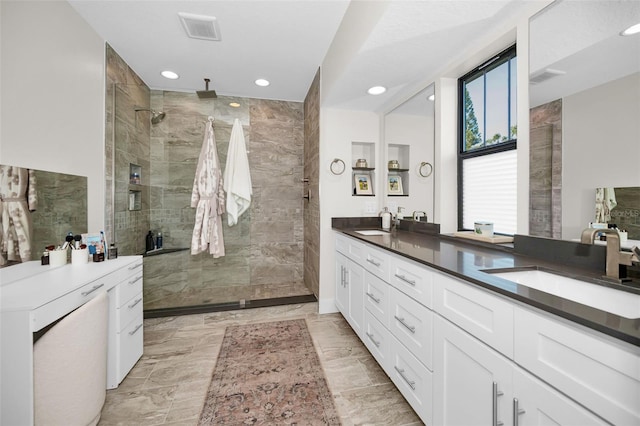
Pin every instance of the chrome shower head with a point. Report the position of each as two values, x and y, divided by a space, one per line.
156 116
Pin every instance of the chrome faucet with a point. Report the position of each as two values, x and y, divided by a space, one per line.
615 257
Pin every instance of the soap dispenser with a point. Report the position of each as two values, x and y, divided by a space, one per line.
385 214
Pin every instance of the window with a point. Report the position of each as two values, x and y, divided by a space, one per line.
487 179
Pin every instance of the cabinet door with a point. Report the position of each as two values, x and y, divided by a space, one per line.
355 287
469 379
538 404
342 291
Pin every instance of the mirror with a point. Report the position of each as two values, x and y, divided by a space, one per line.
409 138
59 204
585 103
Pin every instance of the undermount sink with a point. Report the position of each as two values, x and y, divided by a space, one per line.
619 302
371 232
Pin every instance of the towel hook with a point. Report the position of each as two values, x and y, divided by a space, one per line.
429 169
340 166
211 119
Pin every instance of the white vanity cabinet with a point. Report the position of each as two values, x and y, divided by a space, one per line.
41 296
397 328
125 327
464 355
601 373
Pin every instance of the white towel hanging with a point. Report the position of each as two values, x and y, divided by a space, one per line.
237 176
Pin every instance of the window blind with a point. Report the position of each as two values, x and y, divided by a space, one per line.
489 185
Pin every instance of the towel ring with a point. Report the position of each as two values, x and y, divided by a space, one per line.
422 166
336 167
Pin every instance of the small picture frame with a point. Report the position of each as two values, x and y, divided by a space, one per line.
95 243
363 184
395 185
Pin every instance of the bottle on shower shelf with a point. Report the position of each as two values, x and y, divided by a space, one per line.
159 240
150 244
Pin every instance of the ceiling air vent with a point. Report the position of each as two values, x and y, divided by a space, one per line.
200 26
544 75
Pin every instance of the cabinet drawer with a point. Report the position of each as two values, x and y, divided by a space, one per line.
412 279
376 297
414 381
129 287
377 339
377 262
130 344
487 317
350 247
129 311
596 371
58 308
412 324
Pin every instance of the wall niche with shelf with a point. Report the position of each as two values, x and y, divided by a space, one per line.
398 177
363 161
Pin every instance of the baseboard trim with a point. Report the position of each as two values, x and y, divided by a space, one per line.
327 306
219 307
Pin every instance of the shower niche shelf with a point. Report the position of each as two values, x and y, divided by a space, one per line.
135 200
135 174
362 178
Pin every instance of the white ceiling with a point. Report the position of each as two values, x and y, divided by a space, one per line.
285 41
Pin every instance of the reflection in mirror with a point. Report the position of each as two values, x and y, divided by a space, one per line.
409 134
38 209
585 102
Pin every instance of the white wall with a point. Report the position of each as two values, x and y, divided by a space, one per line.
600 147
52 106
338 128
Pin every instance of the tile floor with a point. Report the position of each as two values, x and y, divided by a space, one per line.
168 385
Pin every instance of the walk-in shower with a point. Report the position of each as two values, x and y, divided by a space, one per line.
156 116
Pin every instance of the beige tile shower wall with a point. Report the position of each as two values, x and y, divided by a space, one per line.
264 250
127 141
545 170
311 172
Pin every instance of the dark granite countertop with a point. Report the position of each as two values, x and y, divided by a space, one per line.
466 259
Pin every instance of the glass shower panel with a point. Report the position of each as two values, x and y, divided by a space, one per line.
158 139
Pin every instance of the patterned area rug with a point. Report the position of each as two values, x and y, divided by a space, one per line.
268 374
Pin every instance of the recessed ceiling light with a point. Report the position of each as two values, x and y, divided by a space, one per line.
377 90
262 82
170 75
432 97
234 105
634 29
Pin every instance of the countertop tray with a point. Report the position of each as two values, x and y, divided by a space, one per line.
496 239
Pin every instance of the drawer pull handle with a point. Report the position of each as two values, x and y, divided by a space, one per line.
405 279
373 262
136 280
134 303
131 268
94 288
372 297
135 330
370 336
516 411
411 328
495 394
411 383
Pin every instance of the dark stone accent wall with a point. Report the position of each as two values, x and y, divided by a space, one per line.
311 172
545 170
